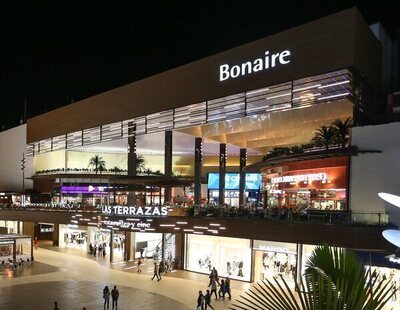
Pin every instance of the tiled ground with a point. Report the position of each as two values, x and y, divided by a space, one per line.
76 281
79 294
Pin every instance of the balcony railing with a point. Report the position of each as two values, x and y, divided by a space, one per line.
307 215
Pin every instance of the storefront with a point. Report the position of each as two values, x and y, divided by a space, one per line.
73 236
230 256
85 194
232 180
316 184
11 198
148 245
15 248
275 258
11 227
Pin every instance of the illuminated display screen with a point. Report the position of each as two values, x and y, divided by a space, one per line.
83 189
253 181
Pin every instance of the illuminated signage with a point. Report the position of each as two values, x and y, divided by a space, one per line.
135 211
253 181
129 225
266 62
6 242
83 189
300 178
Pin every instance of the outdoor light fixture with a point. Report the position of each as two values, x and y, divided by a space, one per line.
393 199
392 235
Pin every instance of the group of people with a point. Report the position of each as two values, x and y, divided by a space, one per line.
159 270
114 295
204 301
97 250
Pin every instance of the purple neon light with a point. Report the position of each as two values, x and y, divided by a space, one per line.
83 189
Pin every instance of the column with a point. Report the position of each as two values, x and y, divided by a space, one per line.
222 171
29 229
32 249
179 250
132 163
242 174
56 233
128 246
18 227
198 158
111 245
132 158
163 245
15 252
167 164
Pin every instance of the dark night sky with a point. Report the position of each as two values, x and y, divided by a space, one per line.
52 52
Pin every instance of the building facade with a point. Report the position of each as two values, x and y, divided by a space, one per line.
215 163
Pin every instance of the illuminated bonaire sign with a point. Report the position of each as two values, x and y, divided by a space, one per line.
300 178
266 62
134 211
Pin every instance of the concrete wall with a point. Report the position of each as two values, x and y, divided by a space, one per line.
12 146
372 173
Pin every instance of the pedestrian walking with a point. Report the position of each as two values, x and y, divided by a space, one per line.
161 269
200 301
222 290
106 297
95 250
213 275
207 299
228 287
139 262
214 288
115 296
156 273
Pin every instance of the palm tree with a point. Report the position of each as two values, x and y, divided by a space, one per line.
334 279
325 136
116 169
148 171
97 162
140 163
342 129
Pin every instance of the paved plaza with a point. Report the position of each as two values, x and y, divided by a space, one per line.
76 281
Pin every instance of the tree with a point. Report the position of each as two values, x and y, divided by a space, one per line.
97 162
342 129
116 169
325 136
140 164
334 280
148 172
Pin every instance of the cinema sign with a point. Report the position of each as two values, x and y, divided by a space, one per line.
134 211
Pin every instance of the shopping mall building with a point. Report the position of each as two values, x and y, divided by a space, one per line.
211 163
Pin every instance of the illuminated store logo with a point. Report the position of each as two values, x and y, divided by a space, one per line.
268 61
138 211
128 225
6 242
300 178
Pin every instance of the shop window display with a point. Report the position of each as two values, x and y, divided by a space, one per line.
73 236
230 256
23 248
274 258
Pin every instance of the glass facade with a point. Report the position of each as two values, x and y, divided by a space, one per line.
230 256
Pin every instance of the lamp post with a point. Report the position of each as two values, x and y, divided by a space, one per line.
23 161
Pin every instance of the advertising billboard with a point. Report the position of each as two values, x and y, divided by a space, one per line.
253 181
